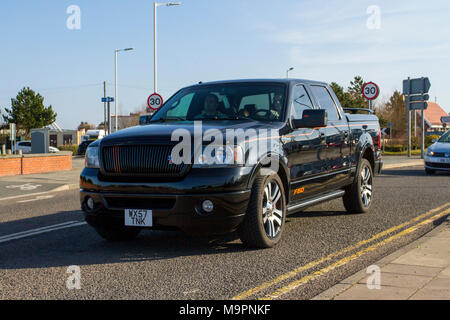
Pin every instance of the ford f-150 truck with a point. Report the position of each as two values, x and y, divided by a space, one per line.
230 156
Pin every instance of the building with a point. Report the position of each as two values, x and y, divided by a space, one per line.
433 115
124 121
65 137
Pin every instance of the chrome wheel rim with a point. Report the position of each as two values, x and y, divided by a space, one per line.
366 186
272 211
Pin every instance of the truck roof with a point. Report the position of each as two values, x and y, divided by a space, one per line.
284 81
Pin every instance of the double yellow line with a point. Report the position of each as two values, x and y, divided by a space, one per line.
295 284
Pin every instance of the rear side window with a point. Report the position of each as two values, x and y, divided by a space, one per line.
326 102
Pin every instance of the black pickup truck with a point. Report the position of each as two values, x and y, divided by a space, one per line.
232 156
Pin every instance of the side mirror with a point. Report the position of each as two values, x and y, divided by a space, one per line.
312 118
434 140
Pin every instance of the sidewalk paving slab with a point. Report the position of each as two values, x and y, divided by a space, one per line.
420 270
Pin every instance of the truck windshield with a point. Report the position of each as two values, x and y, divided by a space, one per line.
236 101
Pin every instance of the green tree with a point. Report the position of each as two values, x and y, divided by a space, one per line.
352 98
355 92
28 111
395 112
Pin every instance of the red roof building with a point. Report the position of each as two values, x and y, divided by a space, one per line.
433 115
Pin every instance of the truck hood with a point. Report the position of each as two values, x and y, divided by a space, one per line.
162 132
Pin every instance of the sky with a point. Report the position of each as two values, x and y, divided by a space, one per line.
206 40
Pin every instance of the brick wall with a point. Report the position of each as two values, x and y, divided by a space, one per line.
10 166
28 164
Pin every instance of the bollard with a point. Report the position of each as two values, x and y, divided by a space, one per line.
19 152
3 148
8 152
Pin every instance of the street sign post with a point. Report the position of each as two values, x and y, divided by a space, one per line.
415 92
154 102
370 91
108 101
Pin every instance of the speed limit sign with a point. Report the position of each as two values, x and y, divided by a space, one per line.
154 102
370 91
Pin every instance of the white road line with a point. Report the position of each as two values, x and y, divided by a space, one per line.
32 232
36 199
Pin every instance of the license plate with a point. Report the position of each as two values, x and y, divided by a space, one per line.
138 218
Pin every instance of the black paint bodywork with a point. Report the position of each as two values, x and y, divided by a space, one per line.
314 160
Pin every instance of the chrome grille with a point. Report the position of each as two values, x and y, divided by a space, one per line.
144 160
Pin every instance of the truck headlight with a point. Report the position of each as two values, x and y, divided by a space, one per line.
219 156
91 159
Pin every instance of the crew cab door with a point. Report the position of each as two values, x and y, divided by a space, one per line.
305 149
337 135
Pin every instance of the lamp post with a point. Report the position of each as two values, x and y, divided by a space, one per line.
115 81
287 71
155 52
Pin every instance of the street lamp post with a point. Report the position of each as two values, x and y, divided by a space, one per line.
115 82
155 51
287 71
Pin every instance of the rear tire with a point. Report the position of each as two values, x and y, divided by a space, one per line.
264 222
358 196
429 171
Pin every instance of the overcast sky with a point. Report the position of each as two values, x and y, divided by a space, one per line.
204 40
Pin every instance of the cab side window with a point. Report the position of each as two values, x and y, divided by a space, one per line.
301 101
326 102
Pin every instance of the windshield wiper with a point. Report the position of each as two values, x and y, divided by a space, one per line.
168 119
236 117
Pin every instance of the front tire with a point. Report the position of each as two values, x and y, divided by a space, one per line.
264 221
358 196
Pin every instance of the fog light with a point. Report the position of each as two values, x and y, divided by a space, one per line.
90 203
207 206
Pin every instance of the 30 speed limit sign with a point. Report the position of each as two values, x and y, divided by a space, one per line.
370 91
154 102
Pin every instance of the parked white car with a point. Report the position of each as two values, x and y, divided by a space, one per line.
25 146
438 155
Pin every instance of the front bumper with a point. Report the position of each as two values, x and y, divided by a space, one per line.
437 163
173 204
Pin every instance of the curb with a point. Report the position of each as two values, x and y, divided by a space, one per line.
402 165
350 281
65 187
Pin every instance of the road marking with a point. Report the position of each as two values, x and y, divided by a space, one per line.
295 284
58 189
38 198
315 263
24 187
32 232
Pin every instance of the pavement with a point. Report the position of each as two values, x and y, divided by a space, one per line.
42 236
392 162
23 185
419 271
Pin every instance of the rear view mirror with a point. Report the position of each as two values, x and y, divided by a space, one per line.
312 118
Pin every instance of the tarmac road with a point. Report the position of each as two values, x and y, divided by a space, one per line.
41 236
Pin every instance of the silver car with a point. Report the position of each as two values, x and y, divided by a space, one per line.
438 155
